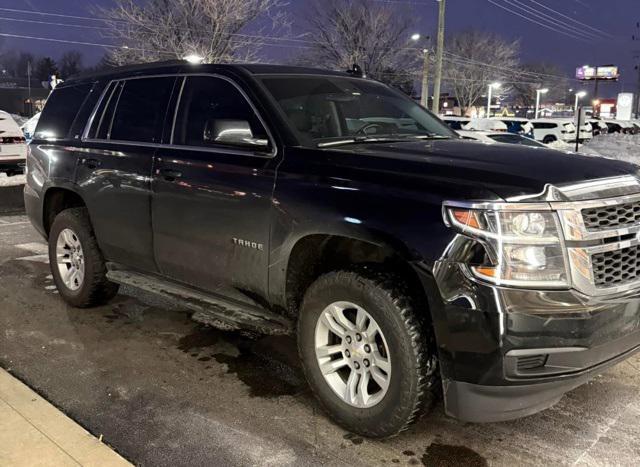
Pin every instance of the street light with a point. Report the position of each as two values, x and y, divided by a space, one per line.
579 95
492 86
538 93
194 59
416 37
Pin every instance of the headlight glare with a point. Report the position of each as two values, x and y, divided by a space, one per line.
524 249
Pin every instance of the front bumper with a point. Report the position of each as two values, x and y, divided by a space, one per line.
507 353
484 403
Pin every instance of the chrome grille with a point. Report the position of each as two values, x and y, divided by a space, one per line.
617 267
611 217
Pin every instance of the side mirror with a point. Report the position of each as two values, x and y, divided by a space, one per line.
233 133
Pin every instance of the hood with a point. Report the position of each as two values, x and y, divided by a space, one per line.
509 171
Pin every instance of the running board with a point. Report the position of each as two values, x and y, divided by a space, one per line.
209 309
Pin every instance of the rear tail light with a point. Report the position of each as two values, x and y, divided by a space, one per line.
12 139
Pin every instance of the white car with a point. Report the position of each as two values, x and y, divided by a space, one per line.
493 137
455 123
13 146
517 125
548 130
485 124
586 129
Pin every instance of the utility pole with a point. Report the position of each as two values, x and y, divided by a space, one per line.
29 85
424 96
636 37
439 52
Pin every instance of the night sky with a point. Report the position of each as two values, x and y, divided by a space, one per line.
616 17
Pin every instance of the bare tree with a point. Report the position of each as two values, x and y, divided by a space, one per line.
475 59
371 35
70 63
537 76
213 29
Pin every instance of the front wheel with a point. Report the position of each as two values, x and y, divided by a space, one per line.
367 353
77 265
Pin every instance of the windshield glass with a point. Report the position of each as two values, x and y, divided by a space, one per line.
323 110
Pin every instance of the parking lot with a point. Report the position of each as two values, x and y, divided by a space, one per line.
162 390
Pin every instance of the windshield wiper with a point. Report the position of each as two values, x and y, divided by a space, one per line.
382 139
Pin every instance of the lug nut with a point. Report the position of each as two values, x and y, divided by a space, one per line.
356 365
349 339
358 337
366 363
347 353
367 348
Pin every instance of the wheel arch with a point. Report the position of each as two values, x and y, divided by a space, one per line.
313 254
55 200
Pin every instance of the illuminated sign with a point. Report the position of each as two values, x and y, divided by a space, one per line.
587 72
608 72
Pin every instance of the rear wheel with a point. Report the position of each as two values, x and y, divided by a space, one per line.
367 354
77 265
549 139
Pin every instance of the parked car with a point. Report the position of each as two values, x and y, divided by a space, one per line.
598 127
620 126
500 137
13 147
517 125
29 126
586 129
485 124
549 130
405 260
456 123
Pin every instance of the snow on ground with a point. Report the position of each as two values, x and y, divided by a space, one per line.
12 181
615 146
612 146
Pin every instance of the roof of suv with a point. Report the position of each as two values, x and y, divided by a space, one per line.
181 66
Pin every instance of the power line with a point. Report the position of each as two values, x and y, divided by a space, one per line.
108 20
536 21
464 60
553 21
571 19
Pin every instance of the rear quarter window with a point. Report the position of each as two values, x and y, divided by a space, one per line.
60 111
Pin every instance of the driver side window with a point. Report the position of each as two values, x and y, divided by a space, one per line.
210 106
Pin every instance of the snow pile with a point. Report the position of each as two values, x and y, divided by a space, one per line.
615 146
12 181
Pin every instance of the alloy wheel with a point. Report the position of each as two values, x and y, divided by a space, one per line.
352 354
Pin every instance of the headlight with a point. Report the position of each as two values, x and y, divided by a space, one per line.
524 249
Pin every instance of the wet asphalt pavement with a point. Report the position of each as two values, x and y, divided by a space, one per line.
163 390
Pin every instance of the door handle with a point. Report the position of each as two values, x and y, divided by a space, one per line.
169 174
91 163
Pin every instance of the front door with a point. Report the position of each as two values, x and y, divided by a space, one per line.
212 193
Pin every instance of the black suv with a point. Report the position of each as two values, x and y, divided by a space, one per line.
329 206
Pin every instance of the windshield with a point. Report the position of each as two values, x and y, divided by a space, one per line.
327 110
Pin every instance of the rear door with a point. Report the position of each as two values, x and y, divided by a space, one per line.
114 169
212 201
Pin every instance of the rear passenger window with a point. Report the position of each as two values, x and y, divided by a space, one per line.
60 111
206 100
140 110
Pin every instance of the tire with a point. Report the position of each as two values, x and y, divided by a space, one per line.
412 380
93 289
549 139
